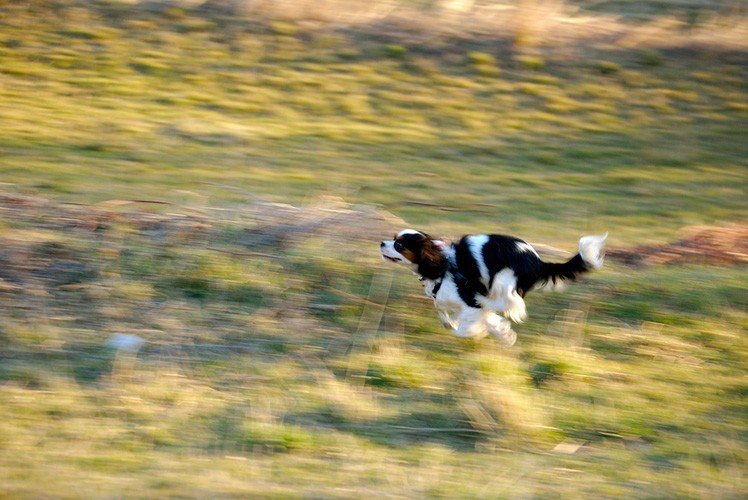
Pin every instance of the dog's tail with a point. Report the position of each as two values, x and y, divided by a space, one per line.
590 257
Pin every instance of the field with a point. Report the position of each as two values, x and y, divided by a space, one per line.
214 182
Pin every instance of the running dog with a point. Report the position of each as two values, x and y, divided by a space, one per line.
478 283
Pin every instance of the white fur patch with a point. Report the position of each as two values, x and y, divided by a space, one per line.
408 231
591 250
476 244
503 297
470 323
547 286
523 246
500 328
390 254
448 299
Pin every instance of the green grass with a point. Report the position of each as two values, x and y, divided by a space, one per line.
266 372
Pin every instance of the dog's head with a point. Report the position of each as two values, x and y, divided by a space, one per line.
417 249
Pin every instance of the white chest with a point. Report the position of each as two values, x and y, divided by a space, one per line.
447 297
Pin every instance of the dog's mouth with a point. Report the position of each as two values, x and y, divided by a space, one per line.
391 259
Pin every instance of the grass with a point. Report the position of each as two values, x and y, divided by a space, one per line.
278 365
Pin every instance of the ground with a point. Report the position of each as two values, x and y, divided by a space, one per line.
216 184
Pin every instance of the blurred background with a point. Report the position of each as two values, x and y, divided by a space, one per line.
192 193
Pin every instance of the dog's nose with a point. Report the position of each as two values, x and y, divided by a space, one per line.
381 245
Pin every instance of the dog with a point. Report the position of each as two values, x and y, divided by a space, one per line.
478 284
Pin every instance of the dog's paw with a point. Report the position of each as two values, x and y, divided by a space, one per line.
473 331
448 325
501 329
507 338
447 322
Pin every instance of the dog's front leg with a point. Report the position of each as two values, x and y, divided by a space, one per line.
470 323
447 321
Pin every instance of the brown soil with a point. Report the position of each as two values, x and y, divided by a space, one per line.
699 244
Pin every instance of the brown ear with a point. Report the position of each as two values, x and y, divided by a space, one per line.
430 251
432 263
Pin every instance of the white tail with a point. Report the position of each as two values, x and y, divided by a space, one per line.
591 250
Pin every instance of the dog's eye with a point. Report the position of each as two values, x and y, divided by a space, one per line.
398 245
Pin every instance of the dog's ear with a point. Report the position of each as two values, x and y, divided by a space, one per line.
431 250
432 264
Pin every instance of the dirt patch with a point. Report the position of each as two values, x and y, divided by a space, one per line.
73 217
699 245
59 244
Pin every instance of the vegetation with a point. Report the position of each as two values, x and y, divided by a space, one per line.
281 357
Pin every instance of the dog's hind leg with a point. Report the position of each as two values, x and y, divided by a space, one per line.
500 328
516 309
503 297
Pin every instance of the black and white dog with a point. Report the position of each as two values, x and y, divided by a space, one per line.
478 283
